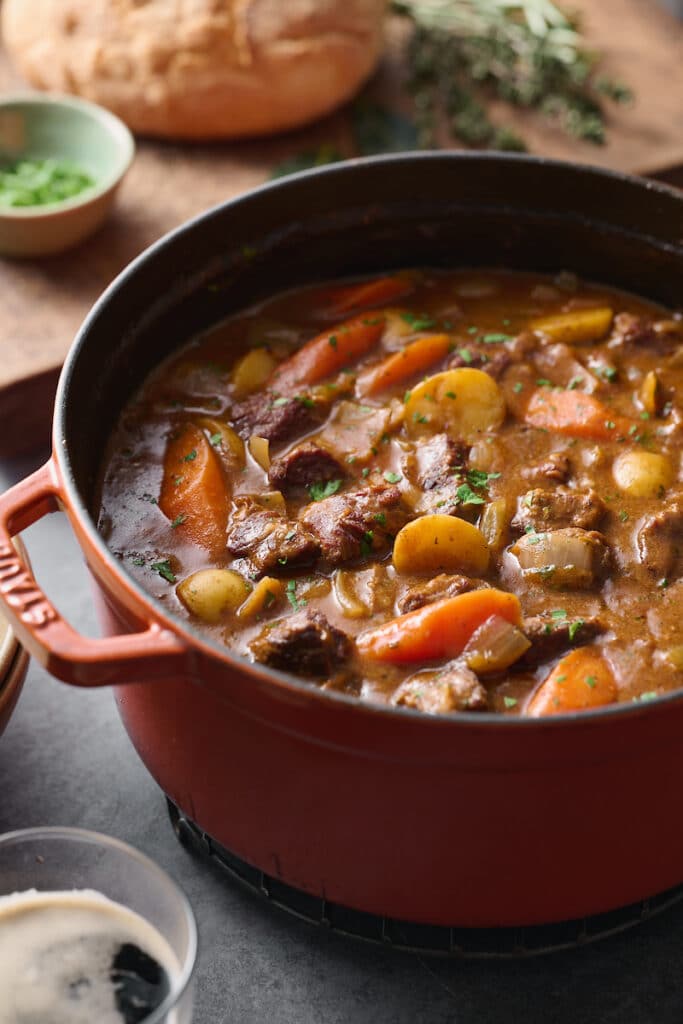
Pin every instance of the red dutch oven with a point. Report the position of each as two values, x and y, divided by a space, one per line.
469 820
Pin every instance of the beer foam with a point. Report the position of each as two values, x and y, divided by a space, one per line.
56 954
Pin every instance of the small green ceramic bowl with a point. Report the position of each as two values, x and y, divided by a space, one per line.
36 126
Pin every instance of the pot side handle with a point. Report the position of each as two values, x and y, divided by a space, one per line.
152 654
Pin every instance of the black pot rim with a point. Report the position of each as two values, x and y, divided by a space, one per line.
194 638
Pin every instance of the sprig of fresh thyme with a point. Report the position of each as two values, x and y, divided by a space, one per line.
527 52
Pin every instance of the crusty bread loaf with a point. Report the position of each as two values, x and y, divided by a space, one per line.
199 68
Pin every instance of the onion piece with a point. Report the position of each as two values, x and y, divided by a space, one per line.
494 523
495 646
562 558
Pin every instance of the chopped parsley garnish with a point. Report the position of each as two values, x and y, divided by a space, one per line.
607 373
517 387
496 339
417 322
610 424
392 478
623 515
269 599
406 397
466 496
305 401
215 439
178 521
366 543
164 570
295 601
574 383
290 535
479 478
465 355
365 472
191 456
418 417
451 394
380 518
138 560
591 681
574 627
558 613
510 702
543 382
472 330
332 341
648 695
318 491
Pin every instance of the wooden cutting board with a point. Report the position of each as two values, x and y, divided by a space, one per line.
42 302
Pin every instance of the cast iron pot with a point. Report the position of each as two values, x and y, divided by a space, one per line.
470 820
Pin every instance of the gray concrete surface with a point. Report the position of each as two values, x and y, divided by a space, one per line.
66 760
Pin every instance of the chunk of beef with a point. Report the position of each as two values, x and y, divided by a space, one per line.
660 540
438 468
443 585
639 331
304 643
555 467
568 558
494 363
551 510
439 461
306 464
522 345
664 618
269 540
455 688
266 415
355 523
552 636
629 329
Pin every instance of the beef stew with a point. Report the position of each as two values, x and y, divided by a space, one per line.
449 491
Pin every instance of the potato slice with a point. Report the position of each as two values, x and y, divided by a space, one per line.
252 371
440 543
642 474
463 402
211 593
578 327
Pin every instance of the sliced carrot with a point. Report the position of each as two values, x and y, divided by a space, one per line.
581 680
328 353
194 494
439 630
574 413
368 294
414 358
